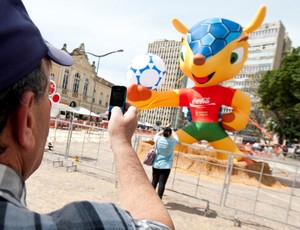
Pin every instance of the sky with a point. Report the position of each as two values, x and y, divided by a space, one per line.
108 25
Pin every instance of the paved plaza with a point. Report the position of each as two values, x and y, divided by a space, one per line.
51 186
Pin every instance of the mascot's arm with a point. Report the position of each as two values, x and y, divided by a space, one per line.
238 118
144 98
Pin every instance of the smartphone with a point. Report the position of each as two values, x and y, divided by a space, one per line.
117 98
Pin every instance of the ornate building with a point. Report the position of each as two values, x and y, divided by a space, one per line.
78 84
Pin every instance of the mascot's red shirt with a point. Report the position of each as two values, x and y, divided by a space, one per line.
205 103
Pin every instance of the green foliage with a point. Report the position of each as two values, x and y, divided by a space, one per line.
279 91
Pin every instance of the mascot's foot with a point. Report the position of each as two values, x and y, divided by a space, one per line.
247 160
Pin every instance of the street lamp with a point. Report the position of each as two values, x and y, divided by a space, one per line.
103 55
96 72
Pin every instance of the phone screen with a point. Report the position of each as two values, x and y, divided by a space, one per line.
117 98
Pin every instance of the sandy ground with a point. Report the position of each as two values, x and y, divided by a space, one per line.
50 187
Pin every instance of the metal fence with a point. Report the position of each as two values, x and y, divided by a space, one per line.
269 189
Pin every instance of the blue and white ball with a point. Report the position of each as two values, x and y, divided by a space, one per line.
147 70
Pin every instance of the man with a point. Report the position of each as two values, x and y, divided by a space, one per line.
24 124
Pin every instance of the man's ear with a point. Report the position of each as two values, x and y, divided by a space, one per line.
25 122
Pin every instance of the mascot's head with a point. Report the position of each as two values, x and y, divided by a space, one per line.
215 50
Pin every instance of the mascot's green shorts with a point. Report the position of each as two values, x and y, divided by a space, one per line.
210 131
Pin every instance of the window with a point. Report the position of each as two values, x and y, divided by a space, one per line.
106 101
66 79
76 83
52 76
101 98
85 87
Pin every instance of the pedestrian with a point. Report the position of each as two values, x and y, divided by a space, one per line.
25 63
297 151
163 162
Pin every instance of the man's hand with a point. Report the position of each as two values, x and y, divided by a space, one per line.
122 127
132 179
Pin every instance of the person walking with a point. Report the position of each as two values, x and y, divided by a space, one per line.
165 142
296 152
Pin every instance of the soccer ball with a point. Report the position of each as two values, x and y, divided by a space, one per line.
147 70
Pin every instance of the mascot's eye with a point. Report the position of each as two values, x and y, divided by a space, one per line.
237 55
182 53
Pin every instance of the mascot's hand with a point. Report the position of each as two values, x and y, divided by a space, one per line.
140 96
233 121
137 92
227 120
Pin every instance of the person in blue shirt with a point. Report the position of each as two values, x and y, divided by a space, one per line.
165 142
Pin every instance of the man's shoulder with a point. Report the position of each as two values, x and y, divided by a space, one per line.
105 216
75 215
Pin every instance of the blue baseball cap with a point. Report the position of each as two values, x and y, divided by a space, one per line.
21 44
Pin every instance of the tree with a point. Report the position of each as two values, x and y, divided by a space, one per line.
279 91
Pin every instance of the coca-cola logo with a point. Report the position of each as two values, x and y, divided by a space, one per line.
196 102
201 101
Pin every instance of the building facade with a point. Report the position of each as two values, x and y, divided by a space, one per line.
174 79
78 84
267 46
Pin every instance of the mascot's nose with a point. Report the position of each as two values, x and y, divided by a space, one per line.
199 59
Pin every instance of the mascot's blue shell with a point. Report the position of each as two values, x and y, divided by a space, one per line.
210 36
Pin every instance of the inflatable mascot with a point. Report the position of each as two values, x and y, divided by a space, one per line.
213 51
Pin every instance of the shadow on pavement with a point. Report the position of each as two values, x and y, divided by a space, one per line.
191 210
